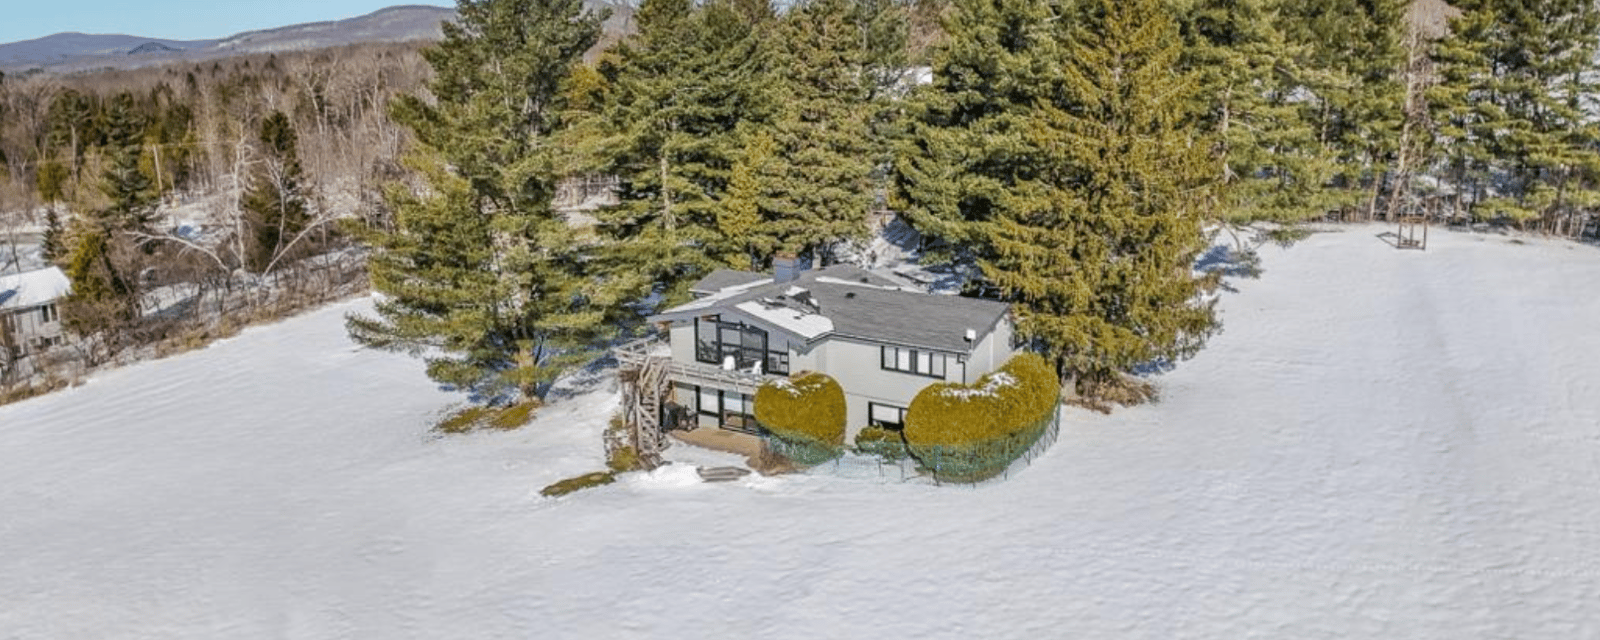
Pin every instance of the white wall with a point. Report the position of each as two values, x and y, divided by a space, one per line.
28 326
857 365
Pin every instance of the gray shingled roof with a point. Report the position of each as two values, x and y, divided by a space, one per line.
724 278
864 305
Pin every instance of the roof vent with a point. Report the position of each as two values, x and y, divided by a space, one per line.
865 280
972 334
849 294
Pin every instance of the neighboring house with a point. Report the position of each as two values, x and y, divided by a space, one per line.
882 340
30 321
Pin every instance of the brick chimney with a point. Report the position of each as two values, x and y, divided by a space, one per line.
785 268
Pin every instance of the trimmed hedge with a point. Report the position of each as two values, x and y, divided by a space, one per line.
969 433
881 442
804 417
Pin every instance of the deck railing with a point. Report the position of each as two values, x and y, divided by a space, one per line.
637 352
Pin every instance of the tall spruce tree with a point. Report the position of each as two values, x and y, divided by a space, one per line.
1516 100
1058 148
275 204
1352 77
479 273
968 140
1268 159
130 190
679 90
820 183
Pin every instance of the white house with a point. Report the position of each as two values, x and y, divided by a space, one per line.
30 321
883 341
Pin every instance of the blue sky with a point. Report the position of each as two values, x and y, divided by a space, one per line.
175 19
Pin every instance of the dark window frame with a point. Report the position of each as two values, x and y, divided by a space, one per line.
938 362
892 426
721 412
744 348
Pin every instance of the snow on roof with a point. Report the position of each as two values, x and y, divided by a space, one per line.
830 280
720 296
34 288
805 325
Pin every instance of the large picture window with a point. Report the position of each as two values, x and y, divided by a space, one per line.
922 363
716 341
733 410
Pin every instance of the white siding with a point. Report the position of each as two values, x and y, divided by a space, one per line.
27 328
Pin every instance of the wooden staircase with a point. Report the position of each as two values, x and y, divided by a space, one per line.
646 374
644 390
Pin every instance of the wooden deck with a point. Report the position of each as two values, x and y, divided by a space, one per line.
724 440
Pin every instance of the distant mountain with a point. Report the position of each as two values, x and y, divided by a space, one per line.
152 47
66 47
67 52
394 24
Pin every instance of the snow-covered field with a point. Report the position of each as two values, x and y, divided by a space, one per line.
1381 444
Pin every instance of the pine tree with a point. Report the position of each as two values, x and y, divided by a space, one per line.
820 187
102 298
71 128
275 204
479 272
1356 105
1518 80
967 141
131 192
1057 149
1269 164
51 244
679 90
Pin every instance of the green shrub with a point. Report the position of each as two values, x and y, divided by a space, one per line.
969 433
579 483
883 443
804 417
479 417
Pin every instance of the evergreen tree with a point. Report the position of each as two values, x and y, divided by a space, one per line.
51 244
275 204
820 188
479 272
967 143
1268 160
123 182
679 90
1057 148
71 128
1351 75
1516 100
102 298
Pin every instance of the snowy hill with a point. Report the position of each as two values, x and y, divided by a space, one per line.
1382 444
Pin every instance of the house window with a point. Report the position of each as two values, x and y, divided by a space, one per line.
886 416
709 401
733 410
48 313
922 363
716 341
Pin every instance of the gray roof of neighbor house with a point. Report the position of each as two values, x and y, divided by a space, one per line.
847 301
34 288
724 278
